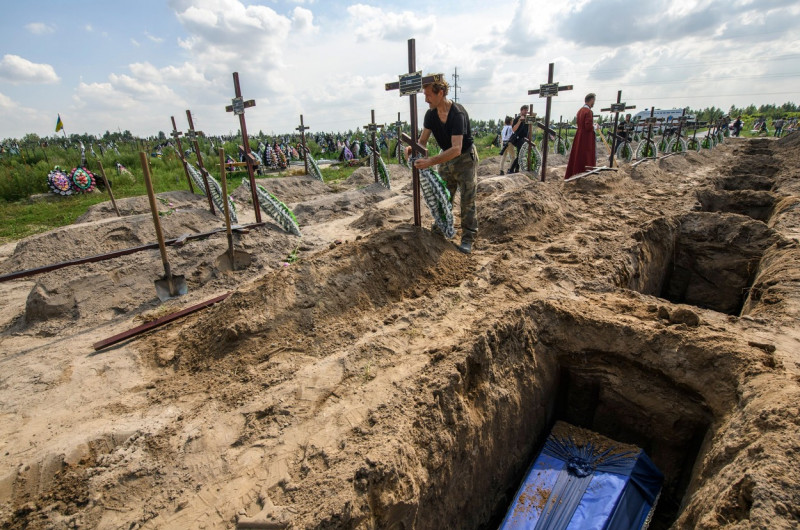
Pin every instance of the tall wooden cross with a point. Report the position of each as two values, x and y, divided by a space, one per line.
302 128
549 91
176 135
191 135
410 85
373 128
399 125
530 120
681 121
237 106
650 122
616 108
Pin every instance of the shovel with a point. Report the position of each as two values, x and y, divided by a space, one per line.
170 285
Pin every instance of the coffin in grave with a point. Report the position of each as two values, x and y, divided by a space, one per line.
582 480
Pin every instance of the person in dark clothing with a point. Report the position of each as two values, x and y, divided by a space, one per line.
458 162
737 126
520 135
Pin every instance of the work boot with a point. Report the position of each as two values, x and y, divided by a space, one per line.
465 246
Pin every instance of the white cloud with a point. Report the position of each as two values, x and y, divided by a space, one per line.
135 42
40 28
373 23
15 69
303 20
157 40
19 120
88 27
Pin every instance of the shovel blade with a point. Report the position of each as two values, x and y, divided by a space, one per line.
170 287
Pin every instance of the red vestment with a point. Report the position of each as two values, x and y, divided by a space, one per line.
582 154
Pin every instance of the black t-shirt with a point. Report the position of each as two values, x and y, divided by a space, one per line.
521 132
457 124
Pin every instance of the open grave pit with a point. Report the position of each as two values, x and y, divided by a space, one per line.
703 259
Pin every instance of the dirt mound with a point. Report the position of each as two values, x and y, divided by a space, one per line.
359 178
356 277
647 172
287 189
171 200
791 140
343 204
511 202
96 237
489 166
674 164
369 375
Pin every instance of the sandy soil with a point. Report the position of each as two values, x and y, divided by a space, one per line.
385 380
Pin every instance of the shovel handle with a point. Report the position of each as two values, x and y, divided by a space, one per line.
151 196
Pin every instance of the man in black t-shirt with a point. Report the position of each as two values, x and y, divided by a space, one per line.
520 129
458 161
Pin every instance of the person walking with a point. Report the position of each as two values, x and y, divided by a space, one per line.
508 152
583 154
778 124
458 160
737 126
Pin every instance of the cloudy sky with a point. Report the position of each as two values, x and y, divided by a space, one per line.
131 65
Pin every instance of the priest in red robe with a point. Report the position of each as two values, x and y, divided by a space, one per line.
582 155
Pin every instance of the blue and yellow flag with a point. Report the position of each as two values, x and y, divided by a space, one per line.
59 123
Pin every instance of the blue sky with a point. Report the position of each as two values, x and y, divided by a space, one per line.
105 65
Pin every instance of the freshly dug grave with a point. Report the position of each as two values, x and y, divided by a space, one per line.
391 382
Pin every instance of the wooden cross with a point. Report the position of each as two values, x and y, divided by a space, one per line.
410 85
549 91
373 128
650 122
237 106
176 135
192 135
681 121
616 108
530 119
302 128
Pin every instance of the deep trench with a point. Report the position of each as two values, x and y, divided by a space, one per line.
708 260
630 405
535 371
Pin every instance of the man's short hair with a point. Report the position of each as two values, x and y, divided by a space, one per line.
589 96
524 107
439 85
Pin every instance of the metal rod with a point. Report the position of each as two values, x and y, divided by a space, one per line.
138 330
115 254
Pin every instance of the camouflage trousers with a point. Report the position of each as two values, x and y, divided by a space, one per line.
461 174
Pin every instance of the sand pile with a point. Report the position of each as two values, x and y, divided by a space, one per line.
368 375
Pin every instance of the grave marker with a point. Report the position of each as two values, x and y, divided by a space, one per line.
176 135
373 128
549 91
410 85
237 106
191 135
302 128
616 108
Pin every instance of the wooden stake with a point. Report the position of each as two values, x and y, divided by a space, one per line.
108 187
224 180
